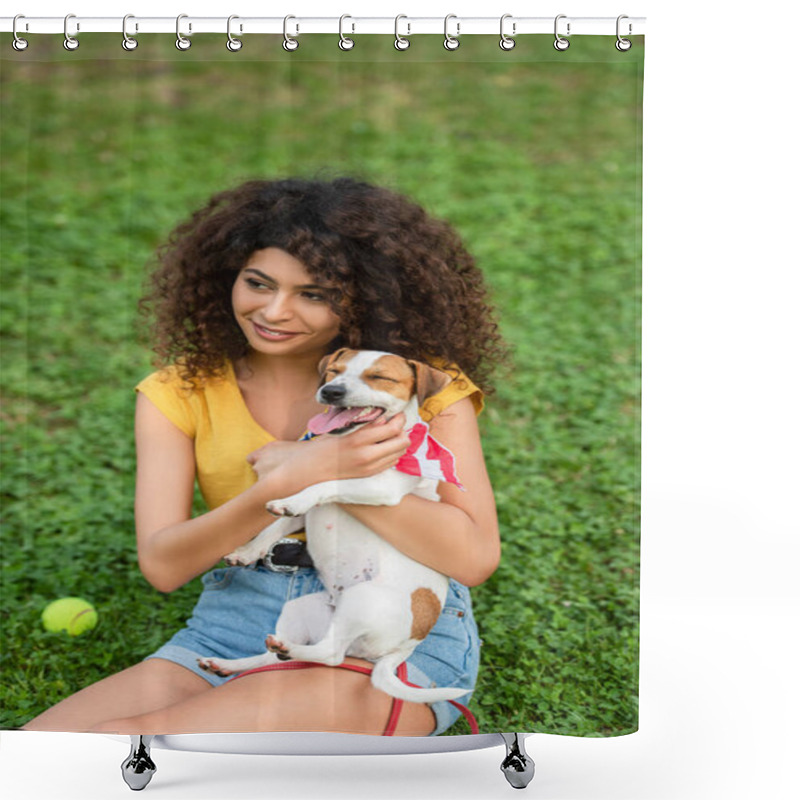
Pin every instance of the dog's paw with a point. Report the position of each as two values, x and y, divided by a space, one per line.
243 556
279 648
283 508
214 665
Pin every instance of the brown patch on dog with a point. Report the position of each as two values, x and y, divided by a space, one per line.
335 363
429 380
391 374
425 610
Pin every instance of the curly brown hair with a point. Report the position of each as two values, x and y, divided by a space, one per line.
403 281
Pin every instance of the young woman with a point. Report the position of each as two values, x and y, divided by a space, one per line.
251 292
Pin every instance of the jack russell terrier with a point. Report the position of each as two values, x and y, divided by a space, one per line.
379 604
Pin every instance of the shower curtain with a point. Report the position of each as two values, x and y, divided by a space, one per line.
533 155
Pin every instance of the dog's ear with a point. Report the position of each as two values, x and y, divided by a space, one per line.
328 360
429 380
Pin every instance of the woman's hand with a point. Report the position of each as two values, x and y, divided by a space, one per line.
273 455
363 453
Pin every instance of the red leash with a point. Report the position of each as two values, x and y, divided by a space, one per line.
397 704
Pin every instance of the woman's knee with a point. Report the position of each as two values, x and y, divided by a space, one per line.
119 726
146 686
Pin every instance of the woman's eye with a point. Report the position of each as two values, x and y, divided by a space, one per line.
254 283
315 296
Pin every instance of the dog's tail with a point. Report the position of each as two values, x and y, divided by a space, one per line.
384 678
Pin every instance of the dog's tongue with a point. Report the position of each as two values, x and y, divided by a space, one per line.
335 418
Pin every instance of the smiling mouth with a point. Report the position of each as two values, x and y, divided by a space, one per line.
340 420
272 333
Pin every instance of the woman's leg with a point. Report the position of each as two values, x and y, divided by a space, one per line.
142 688
319 699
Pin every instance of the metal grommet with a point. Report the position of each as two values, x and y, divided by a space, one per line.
345 42
506 42
18 43
128 42
560 43
451 42
233 44
70 42
290 44
182 43
623 45
400 42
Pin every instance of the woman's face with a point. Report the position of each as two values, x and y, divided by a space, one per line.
281 309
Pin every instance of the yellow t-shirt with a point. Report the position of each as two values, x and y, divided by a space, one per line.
216 417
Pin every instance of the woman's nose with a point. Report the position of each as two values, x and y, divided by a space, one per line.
278 307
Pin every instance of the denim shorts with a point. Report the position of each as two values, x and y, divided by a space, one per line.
239 606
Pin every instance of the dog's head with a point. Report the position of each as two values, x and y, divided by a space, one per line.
360 386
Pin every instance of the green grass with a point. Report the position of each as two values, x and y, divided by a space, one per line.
533 155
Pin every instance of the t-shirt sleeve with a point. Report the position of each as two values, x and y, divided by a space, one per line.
169 395
459 388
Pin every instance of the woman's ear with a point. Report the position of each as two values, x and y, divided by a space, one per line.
430 381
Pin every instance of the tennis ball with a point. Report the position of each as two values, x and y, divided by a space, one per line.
71 614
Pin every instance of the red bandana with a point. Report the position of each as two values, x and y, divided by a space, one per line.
428 458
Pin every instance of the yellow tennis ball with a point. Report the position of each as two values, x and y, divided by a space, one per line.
71 614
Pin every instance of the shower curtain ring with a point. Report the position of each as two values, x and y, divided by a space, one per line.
233 44
623 45
182 43
400 42
128 42
560 43
451 42
70 42
18 43
506 42
290 44
345 42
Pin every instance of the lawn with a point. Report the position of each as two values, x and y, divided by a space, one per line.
533 155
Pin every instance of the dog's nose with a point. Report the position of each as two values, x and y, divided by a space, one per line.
332 393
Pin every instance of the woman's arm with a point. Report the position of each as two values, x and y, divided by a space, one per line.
173 547
458 536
